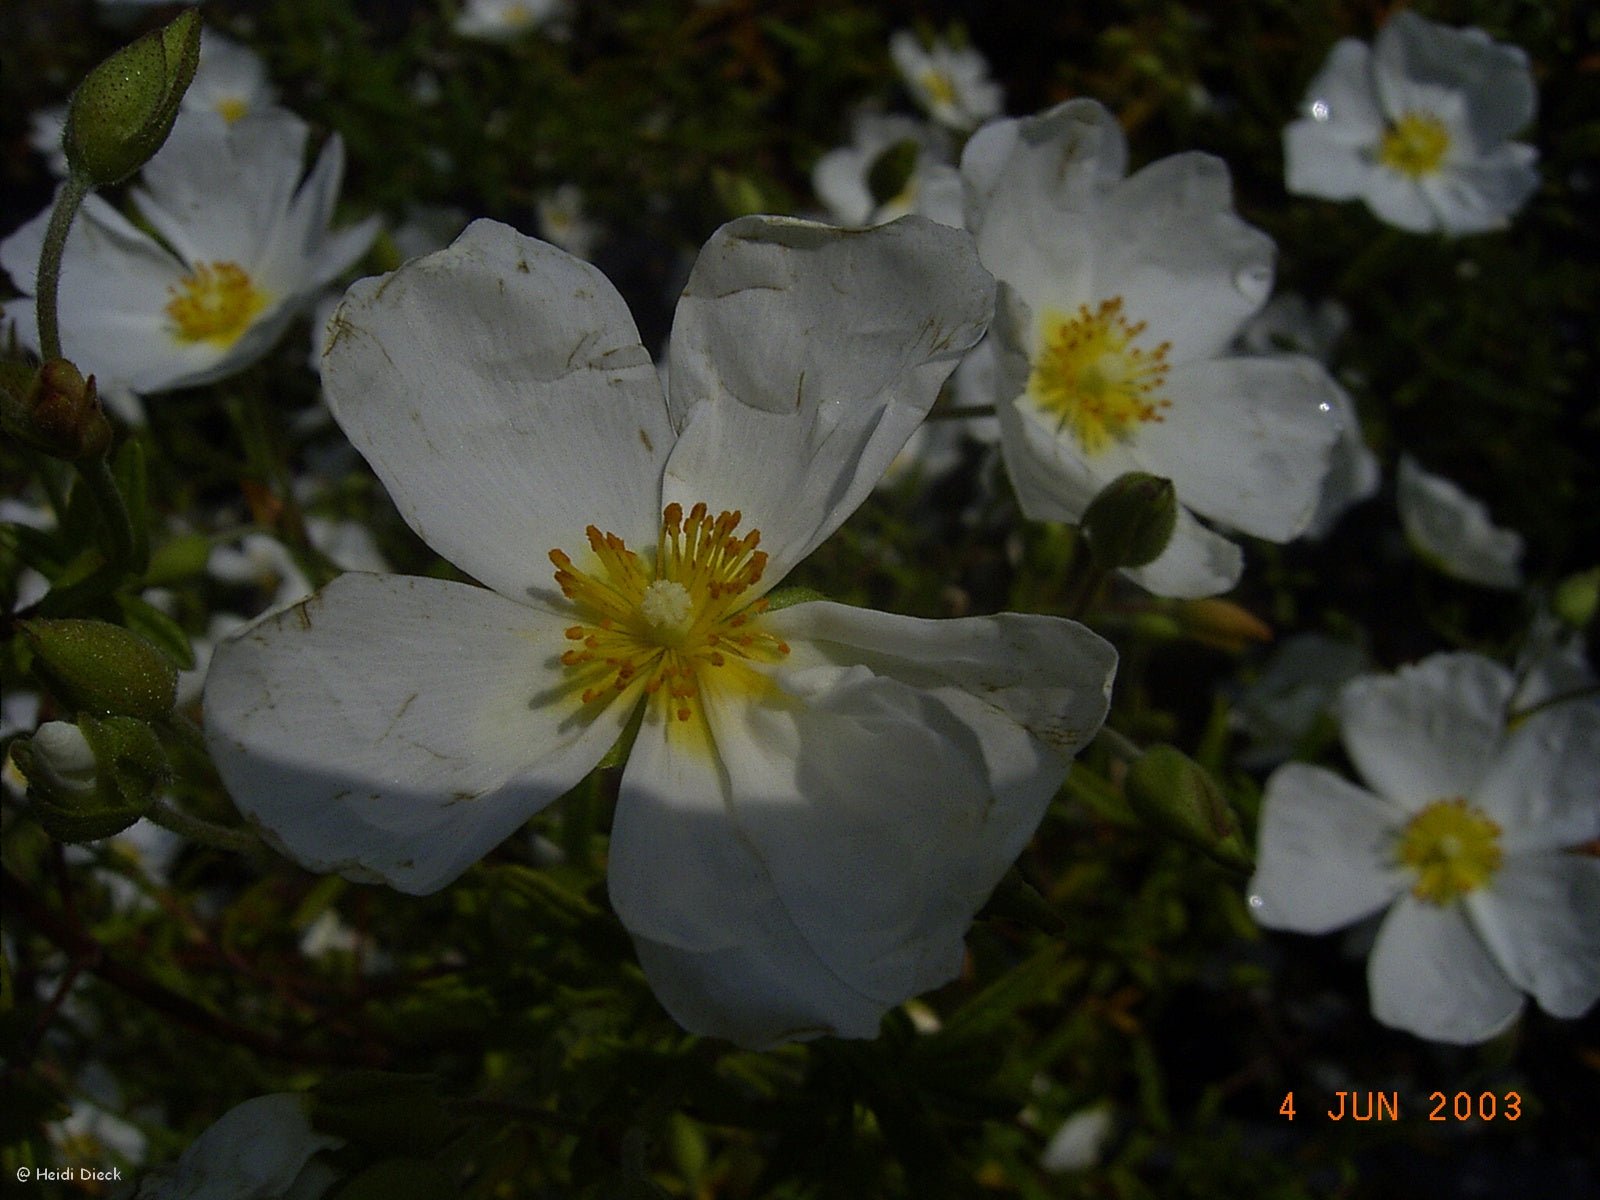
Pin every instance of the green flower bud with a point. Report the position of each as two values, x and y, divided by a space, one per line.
124 108
891 171
1577 597
1178 796
101 668
1130 522
54 409
92 779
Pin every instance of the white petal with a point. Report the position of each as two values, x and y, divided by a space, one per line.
1428 732
215 192
1317 163
398 726
1197 562
1399 200
1453 532
1326 852
1246 441
1353 471
1493 78
758 995
301 254
1431 975
1341 98
680 871
1481 196
1036 188
1540 915
499 390
1173 248
1543 788
802 358
256 1148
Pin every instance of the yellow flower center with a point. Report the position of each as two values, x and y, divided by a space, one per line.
516 14
675 628
216 304
1090 375
1415 145
231 108
1452 847
939 87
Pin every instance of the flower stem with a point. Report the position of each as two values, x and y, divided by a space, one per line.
207 833
961 413
122 555
70 199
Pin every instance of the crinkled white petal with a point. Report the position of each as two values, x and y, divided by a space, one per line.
1246 442
1197 562
1543 788
1453 532
1540 915
1399 200
1428 732
254 1150
1493 79
802 358
499 390
1341 100
1326 855
1036 188
1431 974
1353 471
1169 243
301 254
1319 163
399 727
1483 195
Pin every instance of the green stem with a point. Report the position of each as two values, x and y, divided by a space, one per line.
71 198
207 833
970 411
122 555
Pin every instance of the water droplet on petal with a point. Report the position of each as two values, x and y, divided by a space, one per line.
1256 901
1320 110
1253 281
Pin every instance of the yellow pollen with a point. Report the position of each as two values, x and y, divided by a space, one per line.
516 14
231 108
216 304
1453 848
1093 379
672 627
941 91
1415 145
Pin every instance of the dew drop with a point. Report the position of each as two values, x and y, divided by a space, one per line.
1320 110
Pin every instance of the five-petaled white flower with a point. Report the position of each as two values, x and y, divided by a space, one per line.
1477 835
1119 298
818 797
500 20
238 251
1452 532
894 165
952 85
1417 126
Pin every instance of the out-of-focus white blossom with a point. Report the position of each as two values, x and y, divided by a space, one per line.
1452 532
952 86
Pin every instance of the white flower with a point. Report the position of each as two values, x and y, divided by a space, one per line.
952 86
563 222
843 178
1417 127
1119 298
1297 684
1452 532
241 251
45 130
818 798
229 80
499 20
1080 1141
259 1150
63 758
1464 832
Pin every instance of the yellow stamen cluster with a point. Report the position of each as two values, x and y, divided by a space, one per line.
215 304
231 108
1454 849
1415 145
941 90
1091 376
664 626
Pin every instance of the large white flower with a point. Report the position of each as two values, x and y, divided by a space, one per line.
1469 832
240 247
818 798
1452 532
1119 298
1417 126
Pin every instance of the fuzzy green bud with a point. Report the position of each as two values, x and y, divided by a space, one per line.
1130 522
1179 797
101 668
54 409
891 171
1577 597
92 779
125 107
